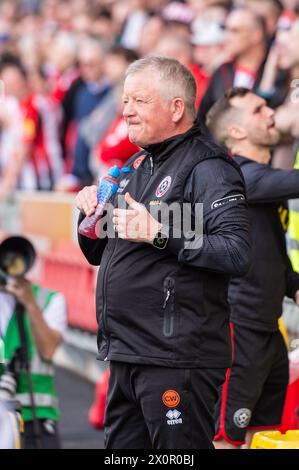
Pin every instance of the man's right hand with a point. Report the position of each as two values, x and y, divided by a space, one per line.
87 200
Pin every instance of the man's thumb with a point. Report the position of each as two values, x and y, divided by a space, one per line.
131 202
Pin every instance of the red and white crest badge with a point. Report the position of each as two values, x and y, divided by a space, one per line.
163 186
138 161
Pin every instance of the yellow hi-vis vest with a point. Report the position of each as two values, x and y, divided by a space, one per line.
293 229
42 371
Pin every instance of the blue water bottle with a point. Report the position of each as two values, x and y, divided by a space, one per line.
108 186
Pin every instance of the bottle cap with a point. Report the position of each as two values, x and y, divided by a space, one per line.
114 171
126 169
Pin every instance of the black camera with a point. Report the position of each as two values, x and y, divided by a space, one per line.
10 408
8 381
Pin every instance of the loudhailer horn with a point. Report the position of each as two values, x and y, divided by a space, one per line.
17 256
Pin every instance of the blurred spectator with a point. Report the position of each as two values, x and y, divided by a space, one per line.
85 94
153 20
201 6
62 71
152 32
208 36
216 11
50 120
29 51
246 43
116 62
61 64
74 54
269 10
287 121
178 12
208 39
275 69
102 25
178 18
10 141
8 10
5 34
134 24
178 48
29 166
275 84
114 148
290 4
288 51
105 129
81 26
287 115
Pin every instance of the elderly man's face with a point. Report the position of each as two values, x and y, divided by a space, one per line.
146 112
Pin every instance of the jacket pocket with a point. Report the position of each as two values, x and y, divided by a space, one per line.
168 307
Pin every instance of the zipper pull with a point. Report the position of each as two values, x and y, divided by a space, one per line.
152 164
166 298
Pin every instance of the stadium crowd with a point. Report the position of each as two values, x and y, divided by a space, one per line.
62 64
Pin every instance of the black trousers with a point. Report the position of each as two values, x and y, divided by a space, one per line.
150 407
49 435
254 392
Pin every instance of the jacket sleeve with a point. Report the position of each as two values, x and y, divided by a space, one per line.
265 184
292 279
92 249
223 246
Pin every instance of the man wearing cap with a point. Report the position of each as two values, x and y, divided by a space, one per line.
208 39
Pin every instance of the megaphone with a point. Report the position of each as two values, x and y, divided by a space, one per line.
17 256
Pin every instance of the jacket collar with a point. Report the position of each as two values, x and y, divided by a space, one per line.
162 150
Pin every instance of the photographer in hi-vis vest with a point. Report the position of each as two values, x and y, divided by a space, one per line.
32 325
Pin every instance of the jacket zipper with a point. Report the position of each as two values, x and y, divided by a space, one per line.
152 164
168 324
106 272
104 300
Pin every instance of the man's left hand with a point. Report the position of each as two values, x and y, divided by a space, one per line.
135 224
297 297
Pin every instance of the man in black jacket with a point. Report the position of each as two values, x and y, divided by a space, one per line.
161 299
254 392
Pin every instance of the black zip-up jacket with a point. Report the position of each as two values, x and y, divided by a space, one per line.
169 307
256 298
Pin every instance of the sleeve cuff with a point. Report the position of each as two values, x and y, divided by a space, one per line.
175 245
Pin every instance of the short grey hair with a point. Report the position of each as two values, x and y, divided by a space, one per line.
180 81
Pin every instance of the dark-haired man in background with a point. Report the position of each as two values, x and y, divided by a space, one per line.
254 392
